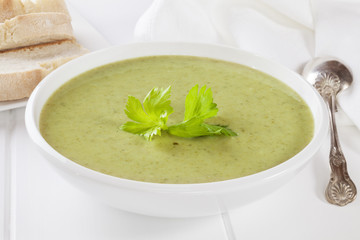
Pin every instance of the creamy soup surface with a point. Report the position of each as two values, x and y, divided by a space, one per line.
81 121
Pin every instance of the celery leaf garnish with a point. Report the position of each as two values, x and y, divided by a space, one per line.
150 118
199 106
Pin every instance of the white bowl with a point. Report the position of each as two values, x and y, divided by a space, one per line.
175 200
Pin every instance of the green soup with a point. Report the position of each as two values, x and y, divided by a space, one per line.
81 121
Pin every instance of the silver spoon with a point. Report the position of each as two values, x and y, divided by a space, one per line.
330 77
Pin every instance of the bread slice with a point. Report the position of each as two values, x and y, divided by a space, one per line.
30 22
34 28
22 69
13 8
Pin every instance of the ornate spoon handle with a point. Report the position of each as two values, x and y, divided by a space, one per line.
341 190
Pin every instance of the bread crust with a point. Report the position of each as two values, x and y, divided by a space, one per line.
34 28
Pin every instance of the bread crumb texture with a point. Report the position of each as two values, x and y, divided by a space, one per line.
34 28
22 69
13 8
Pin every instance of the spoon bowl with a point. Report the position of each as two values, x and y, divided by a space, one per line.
331 66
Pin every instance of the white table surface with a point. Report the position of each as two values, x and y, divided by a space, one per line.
37 204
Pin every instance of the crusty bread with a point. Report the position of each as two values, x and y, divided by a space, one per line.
35 38
22 69
13 8
34 28
29 22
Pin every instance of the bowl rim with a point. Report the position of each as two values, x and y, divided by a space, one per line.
208 187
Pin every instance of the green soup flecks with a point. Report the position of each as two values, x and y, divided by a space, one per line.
81 121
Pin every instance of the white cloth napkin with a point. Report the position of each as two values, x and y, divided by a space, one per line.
289 32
